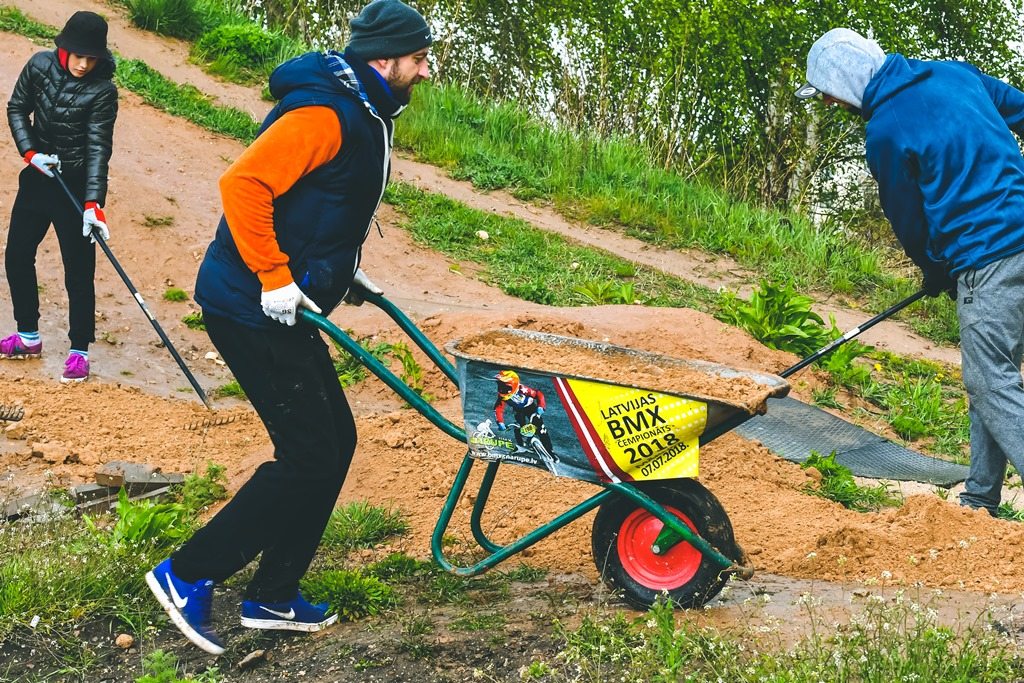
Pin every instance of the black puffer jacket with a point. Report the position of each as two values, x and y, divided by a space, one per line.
70 117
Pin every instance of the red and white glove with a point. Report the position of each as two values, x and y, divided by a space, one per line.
94 222
43 162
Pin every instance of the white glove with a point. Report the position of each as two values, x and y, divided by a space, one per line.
43 162
283 303
359 283
93 219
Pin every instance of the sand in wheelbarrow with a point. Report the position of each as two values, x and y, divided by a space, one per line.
617 365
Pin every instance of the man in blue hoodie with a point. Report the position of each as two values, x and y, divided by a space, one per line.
940 142
298 205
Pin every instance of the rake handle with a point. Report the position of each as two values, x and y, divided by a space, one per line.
138 298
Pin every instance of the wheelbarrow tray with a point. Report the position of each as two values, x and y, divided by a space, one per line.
610 413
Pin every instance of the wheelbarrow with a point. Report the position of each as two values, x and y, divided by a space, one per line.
657 531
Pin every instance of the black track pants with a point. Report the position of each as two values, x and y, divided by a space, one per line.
282 511
41 202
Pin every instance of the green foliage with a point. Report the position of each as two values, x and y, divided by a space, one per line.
840 363
779 318
175 295
199 491
185 101
350 594
361 525
162 667
145 522
398 567
244 52
837 484
230 390
194 321
599 293
13 20
175 18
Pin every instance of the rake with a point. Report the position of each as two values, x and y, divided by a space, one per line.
11 413
213 422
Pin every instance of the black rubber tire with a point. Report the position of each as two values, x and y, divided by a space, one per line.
704 577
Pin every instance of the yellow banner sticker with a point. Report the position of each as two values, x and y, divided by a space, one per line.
637 434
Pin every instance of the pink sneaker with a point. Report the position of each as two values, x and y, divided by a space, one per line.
76 369
12 347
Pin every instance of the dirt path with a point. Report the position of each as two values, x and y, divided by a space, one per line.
135 408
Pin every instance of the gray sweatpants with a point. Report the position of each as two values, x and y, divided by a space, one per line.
990 305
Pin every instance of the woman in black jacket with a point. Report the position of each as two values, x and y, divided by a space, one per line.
61 114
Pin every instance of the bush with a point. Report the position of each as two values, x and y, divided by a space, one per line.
186 19
244 52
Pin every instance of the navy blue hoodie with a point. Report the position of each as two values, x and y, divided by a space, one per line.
950 173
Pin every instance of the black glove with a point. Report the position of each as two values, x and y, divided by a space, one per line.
934 286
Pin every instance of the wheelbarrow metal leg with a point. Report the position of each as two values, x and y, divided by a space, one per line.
475 520
507 551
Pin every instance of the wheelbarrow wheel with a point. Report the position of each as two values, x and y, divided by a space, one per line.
624 533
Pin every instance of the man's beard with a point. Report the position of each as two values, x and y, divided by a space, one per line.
401 91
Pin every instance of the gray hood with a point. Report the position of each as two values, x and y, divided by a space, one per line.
840 64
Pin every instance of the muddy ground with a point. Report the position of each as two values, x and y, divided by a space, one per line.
138 405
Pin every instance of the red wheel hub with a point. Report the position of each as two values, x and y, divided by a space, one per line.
668 571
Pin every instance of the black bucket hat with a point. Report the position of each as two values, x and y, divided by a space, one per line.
85 34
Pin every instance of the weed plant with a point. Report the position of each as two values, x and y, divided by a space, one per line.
199 491
194 321
361 525
175 295
350 594
162 667
779 318
837 484
230 390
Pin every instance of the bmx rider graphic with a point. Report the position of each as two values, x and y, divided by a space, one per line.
528 407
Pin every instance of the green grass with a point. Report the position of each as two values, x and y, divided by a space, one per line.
67 569
361 525
527 262
885 641
185 101
14 20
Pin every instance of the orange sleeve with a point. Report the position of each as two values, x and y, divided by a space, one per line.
293 146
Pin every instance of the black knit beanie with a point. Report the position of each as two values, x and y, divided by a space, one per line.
389 28
85 35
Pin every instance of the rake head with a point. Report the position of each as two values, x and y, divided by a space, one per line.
213 422
11 413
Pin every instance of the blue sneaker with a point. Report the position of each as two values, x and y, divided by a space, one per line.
297 615
188 605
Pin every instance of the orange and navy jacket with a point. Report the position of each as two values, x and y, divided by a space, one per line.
299 202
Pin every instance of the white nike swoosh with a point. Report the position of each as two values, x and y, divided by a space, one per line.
290 614
179 601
